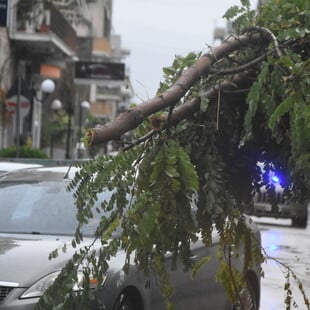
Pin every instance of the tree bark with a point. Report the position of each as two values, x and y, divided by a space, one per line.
132 118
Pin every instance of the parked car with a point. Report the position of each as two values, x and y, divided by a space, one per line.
285 210
38 215
6 166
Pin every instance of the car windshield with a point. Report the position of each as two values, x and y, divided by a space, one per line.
41 208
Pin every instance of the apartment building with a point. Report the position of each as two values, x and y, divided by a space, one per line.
70 45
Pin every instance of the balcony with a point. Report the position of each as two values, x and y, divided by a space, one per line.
41 28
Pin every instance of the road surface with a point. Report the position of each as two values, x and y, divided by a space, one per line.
290 246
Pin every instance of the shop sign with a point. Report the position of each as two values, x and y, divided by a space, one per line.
3 13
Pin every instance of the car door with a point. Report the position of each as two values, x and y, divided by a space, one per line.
202 292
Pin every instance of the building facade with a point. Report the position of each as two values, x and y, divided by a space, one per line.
55 40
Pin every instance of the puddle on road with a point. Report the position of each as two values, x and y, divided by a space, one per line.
286 248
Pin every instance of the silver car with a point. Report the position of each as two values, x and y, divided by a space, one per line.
38 215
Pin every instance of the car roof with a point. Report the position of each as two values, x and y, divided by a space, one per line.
6 166
39 174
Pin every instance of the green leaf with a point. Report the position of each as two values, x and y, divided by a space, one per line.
204 104
245 3
199 265
284 107
168 71
149 221
232 12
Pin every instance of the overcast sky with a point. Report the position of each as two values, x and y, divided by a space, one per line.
156 30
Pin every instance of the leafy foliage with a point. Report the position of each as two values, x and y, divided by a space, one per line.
199 175
54 128
25 152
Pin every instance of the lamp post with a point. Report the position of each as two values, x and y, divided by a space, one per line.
55 106
47 87
40 95
84 107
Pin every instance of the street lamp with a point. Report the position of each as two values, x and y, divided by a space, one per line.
56 105
48 86
84 107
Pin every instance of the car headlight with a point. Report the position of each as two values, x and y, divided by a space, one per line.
38 288
80 284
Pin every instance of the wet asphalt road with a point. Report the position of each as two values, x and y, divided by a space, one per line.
290 246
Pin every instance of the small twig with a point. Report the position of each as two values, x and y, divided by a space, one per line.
271 36
242 68
140 140
218 108
234 284
237 91
169 118
212 53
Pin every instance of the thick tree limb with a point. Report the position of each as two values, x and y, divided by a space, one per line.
193 106
132 118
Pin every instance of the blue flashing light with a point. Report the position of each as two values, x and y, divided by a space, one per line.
273 247
275 179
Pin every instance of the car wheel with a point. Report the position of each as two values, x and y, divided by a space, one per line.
247 299
300 222
124 302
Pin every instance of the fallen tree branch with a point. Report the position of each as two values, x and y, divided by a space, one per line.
189 108
130 119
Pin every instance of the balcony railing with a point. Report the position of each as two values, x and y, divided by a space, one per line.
33 19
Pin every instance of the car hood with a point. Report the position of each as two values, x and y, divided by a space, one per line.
24 259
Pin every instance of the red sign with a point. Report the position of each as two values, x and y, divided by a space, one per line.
24 105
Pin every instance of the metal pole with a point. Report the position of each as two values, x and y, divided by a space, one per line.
80 131
18 113
52 147
68 136
80 123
